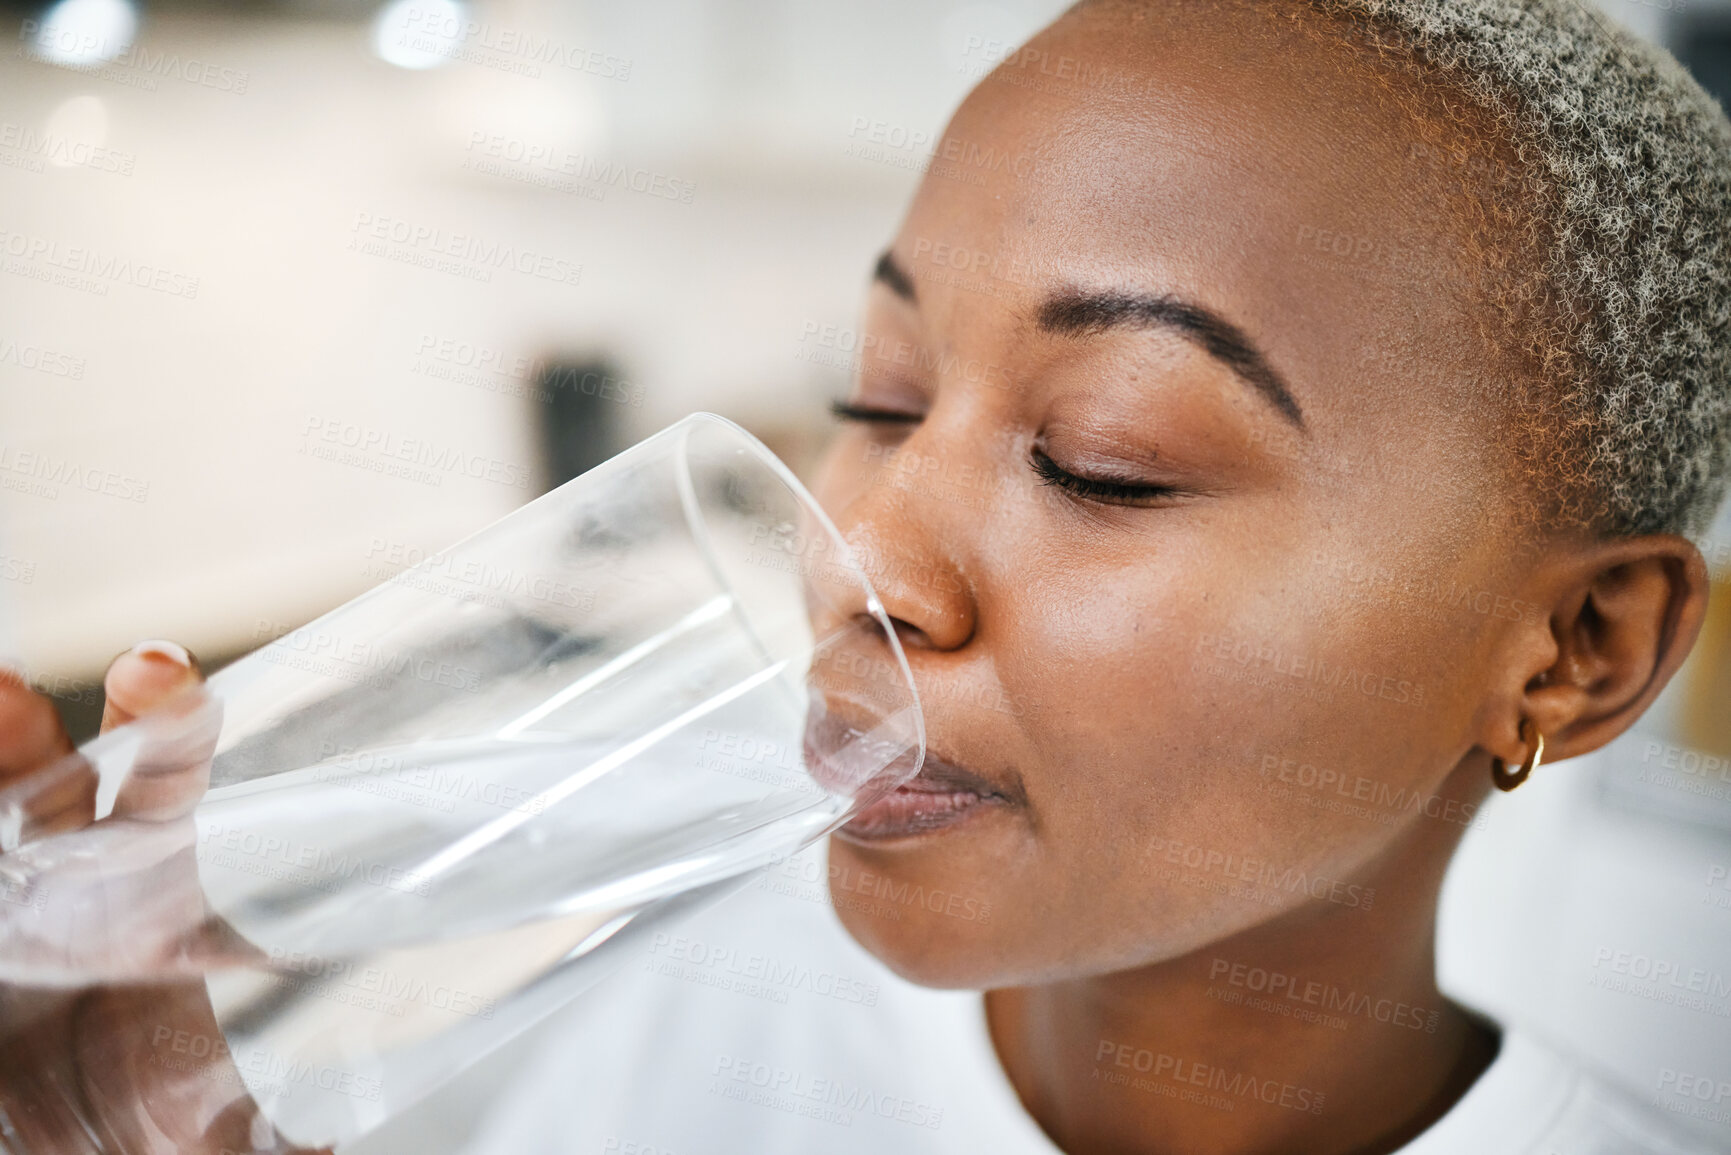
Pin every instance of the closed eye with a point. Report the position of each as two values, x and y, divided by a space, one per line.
843 411
1098 488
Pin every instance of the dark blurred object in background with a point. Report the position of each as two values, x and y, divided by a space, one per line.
1702 41
580 426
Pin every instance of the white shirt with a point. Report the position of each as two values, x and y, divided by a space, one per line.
759 1027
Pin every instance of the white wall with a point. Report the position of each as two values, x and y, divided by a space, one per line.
202 405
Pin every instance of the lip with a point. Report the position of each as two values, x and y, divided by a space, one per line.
942 795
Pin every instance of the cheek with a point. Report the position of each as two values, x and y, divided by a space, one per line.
1165 728
1147 660
1198 759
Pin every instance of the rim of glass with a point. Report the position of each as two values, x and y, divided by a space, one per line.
766 458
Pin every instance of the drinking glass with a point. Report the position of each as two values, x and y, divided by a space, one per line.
440 811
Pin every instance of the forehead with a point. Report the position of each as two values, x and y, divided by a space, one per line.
1250 163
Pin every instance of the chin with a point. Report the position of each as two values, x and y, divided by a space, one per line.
929 950
924 910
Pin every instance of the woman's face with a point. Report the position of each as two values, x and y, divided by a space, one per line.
1196 264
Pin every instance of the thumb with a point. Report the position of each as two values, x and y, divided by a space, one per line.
145 677
161 683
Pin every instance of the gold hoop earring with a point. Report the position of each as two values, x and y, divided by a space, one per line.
1500 775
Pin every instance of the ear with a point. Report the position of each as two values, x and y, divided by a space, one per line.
1623 615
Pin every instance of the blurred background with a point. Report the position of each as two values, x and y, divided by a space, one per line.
295 293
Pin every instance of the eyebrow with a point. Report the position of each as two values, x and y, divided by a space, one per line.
1080 313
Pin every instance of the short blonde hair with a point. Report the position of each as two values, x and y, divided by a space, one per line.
1635 162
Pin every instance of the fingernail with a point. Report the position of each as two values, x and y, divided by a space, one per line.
173 651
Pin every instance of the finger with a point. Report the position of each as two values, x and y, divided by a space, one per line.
30 731
144 677
157 1073
171 771
41 1106
39 774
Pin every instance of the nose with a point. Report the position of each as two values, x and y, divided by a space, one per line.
913 566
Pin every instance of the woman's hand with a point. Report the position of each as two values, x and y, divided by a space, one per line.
116 1068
